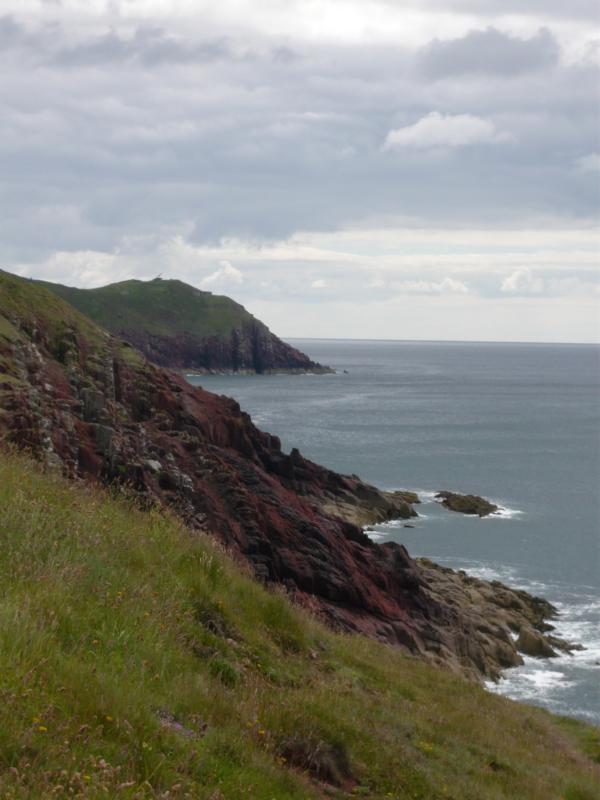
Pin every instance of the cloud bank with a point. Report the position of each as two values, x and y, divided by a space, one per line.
207 141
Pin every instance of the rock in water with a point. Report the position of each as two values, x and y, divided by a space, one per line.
470 504
533 643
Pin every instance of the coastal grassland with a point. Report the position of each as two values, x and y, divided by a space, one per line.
138 661
159 307
30 304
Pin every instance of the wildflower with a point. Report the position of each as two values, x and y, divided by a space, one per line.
42 729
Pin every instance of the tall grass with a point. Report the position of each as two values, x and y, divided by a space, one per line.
137 661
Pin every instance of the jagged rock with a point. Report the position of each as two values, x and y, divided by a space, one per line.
105 439
412 498
93 404
533 643
467 503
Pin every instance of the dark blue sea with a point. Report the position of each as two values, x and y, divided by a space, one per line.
516 423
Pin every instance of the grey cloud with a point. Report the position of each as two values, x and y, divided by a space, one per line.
489 52
260 146
574 9
149 45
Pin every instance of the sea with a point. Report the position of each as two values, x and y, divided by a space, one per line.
518 424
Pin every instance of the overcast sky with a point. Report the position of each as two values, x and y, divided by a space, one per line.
427 169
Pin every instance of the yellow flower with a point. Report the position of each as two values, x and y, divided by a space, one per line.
42 729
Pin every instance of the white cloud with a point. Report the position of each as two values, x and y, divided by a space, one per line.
318 284
522 281
226 275
445 130
589 163
446 286
376 283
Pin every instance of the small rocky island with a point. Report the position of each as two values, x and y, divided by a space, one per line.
470 504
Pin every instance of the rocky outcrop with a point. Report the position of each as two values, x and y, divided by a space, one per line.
251 348
470 504
180 327
90 405
509 622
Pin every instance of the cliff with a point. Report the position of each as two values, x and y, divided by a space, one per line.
92 406
180 327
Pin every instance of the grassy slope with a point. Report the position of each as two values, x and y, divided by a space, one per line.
31 305
157 307
24 300
117 626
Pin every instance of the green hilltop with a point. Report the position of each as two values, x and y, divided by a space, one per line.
138 661
161 307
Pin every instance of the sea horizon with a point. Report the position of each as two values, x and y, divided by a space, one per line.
434 341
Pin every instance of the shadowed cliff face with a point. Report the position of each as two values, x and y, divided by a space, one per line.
251 348
95 408
180 327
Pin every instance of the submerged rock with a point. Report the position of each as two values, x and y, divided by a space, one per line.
470 504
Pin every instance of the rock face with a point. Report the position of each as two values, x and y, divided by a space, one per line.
509 622
470 504
93 407
180 327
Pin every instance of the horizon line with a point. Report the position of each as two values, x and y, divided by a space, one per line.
436 341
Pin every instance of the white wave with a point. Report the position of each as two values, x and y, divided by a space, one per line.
375 535
396 524
481 569
504 512
426 495
580 609
547 679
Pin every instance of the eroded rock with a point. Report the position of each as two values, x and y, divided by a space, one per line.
470 504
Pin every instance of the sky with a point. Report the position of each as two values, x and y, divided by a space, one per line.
393 169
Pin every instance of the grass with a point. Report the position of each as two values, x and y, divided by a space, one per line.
29 302
159 307
138 661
